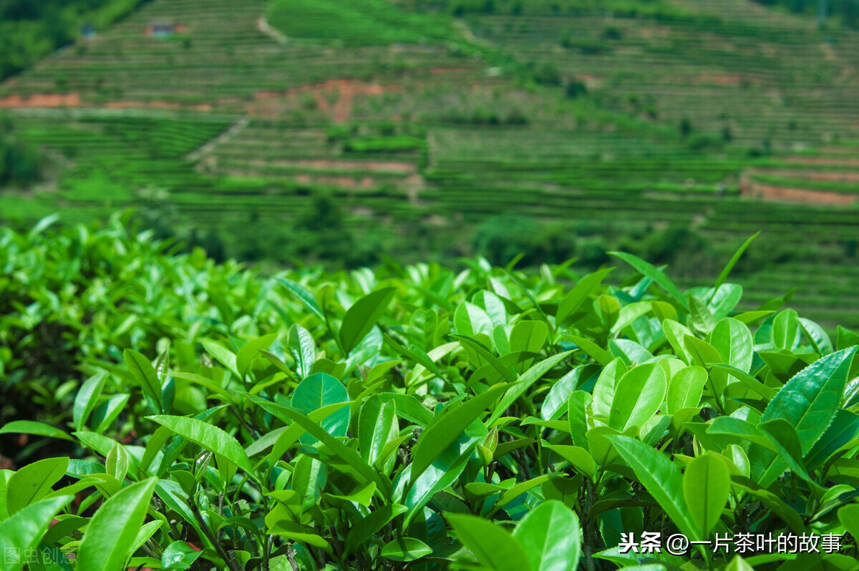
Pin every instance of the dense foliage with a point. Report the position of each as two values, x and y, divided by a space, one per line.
30 30
409 416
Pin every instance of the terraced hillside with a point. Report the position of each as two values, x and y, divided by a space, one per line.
423 120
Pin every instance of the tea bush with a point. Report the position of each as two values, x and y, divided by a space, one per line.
413 417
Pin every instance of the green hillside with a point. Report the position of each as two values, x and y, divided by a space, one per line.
428 129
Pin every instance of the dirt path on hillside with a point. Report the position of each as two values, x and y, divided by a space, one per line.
275 34
234 129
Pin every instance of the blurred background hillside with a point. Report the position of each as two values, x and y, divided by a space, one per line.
355 132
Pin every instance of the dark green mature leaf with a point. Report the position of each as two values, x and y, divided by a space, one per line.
706 487
447 428
404 549
649 270
810 399
208 436
787 513
144 373
33 482
20 533
362 316
348 455
110 535
491 545
316 391
660 477
370 525
844 428
849 518
786 442
551 536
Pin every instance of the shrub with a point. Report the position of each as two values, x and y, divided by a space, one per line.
428 418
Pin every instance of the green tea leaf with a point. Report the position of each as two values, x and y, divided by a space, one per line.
377 424
179 555
528 336
208 436
305 296
33 482
446 429
810 399
249 351
576 297
685 388
144 373
638 396
551 536
303 349
723 275
110 535
706 487
491 545
660 477
86 399
362 316
648 270
20 533
405 549
316 391
34 428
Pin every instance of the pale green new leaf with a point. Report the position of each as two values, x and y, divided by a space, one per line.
208 436
110 535
551 536
706 487
20 533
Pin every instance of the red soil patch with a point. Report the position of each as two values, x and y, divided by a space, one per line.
347 90
45 100
341 181
372 166
155 105
802 195
41 100
721 79
437 70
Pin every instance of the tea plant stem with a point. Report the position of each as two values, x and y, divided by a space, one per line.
228 558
